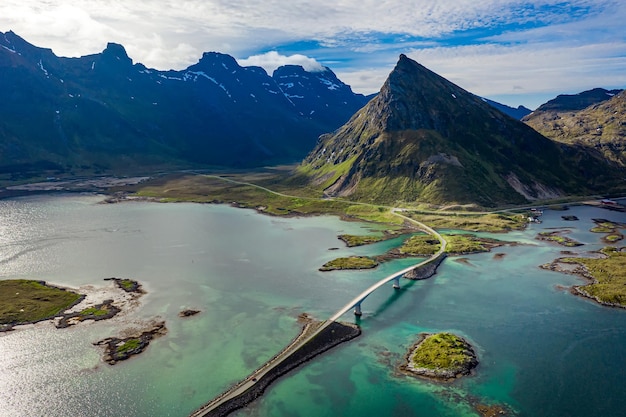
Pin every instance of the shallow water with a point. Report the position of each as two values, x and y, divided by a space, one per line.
543 351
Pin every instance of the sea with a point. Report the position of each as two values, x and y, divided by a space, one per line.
542 350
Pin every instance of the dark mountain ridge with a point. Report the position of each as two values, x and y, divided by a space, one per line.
105 112
422 138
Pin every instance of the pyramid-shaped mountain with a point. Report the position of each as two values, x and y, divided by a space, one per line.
422 138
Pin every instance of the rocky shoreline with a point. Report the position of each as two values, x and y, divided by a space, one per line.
578 269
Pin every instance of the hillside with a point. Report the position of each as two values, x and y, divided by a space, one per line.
103 112
599 127
422 138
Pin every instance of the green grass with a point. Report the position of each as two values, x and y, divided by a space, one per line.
557 238
24 301
206 189
442 351
609 274
93 311
128 345
127 284
423 244
604 227
360 240
495 222
614 237
352 262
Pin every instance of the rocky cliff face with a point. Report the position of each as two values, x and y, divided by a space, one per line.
422 138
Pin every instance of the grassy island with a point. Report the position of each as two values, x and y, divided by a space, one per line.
441 356
28 301
557 237
424 245
608 274
352 262
360 240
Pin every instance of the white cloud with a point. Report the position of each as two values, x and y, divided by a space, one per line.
272 60
167 34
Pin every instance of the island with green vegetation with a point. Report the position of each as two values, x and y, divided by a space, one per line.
458 244
361 240
102 311
420 245
612 234
351 262
29 301
558 238
607 274
119 349
441 356
126 284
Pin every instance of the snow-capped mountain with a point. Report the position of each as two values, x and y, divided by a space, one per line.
104 111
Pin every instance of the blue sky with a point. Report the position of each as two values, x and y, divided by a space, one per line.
512 51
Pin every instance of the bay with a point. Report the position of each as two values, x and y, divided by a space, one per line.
543 351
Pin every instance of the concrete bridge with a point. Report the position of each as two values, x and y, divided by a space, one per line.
231 399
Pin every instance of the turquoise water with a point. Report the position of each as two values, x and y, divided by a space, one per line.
543 351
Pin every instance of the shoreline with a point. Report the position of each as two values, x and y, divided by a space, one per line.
581 271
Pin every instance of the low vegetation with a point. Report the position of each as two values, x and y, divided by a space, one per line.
27 301
295 199
352 262
492 223
95 311
128 345
423 244
608 274
557 237
441 356
604 226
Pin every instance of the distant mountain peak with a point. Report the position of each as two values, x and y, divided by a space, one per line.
218 59
115 51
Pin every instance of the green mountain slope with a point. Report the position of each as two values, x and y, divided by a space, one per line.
425 139
600 127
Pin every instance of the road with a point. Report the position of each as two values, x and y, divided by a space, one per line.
256 376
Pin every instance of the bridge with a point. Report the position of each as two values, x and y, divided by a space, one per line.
242 393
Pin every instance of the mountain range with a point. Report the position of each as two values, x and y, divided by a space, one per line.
423 138
104 112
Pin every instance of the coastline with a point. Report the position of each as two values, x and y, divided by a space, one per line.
579 270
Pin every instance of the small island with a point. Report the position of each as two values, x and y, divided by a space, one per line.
116 349
29 301
420 245
610 228
558 238
606 273
352 262
440 356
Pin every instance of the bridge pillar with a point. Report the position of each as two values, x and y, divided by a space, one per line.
396 282
357 310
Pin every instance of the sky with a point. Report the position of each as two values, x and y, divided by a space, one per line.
517 52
